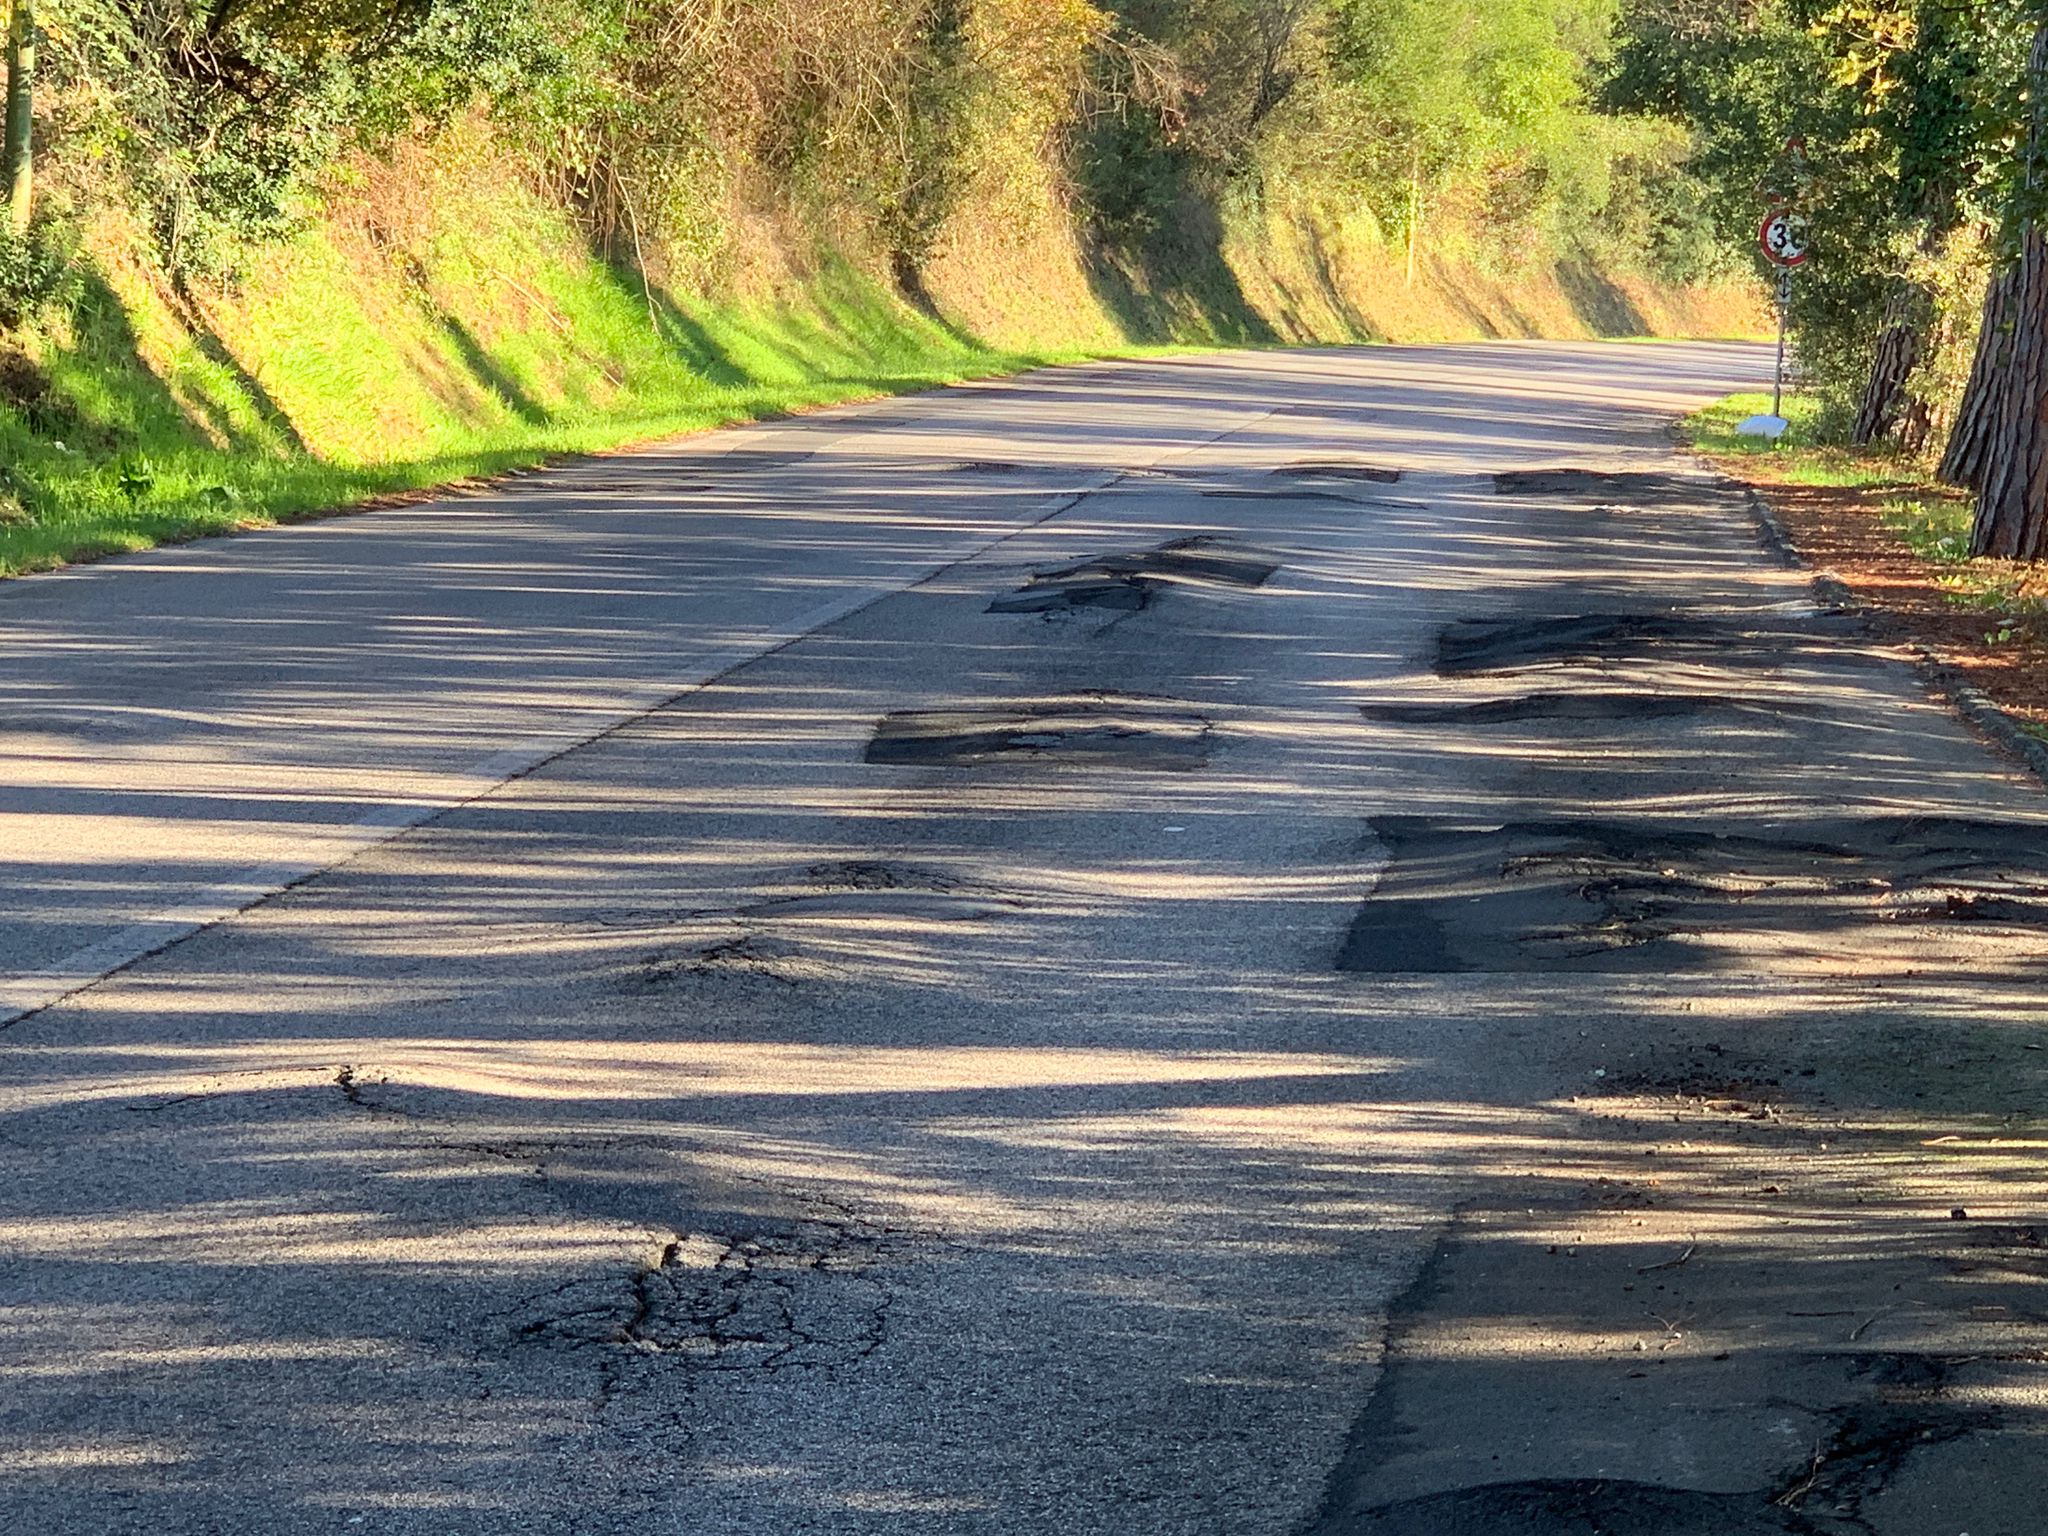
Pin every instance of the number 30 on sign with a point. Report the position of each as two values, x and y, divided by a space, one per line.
1783 238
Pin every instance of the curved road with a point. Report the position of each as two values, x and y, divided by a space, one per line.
1276 944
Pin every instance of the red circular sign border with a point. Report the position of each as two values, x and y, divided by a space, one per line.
1763 231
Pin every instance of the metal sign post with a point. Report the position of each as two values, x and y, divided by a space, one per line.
1784 324
1784 241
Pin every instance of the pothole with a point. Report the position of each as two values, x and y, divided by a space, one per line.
1572 895
1084 730
1635 486
1492 645
872 918
1296 493
1570 1507
1129 581
1616 707
791 1295
879 875
1341 470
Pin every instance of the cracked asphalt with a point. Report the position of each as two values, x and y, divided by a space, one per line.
1282 944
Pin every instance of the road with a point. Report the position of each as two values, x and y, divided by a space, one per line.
1277 944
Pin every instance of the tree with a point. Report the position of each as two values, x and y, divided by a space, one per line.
2012 485
19 168
1905 106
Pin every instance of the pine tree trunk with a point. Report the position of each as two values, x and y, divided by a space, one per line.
18 169
1887 413
2012 483
2012 492
1969 443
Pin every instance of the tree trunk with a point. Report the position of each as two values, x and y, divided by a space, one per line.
2012 491
1889 412
1969 443
18 168
2012 487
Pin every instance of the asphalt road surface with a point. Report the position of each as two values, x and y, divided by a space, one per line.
1275 945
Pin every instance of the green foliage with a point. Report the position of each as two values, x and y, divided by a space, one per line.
35 272
220 112
1908 112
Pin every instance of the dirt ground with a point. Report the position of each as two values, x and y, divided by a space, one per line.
1841 532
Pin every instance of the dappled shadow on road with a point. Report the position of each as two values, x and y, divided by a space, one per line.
731 1118
245 702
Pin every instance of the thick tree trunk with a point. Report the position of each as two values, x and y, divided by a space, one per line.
2012 486
1889 412
18 168
2012 492
1970 440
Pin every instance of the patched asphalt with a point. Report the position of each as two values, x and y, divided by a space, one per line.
1454 1012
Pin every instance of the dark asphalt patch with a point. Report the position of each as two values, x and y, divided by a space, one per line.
1295 494
1492 645
1129 581
1123 594
1373 474
1573 895
878 875
1086 730
1579 1507
1637 487
826 923
1616 707
1542 1377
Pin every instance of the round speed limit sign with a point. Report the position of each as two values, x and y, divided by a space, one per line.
1783 238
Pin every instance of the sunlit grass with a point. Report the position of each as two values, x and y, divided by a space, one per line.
1797 458
344 384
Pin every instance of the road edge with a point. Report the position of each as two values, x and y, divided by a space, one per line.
1832 595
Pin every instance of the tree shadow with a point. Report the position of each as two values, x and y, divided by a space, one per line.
487 370
1598 301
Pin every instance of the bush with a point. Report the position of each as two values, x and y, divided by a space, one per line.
35 273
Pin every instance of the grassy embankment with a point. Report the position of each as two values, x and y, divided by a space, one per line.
332 376
438 321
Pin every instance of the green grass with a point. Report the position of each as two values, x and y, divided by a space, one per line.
507 348
1797 458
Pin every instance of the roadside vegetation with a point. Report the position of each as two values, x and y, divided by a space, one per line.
1913 135
1914 140
262 257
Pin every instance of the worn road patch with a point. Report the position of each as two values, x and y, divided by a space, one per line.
1129 580
1501 644
791 1295
1616 706
1112 730
1597 1367
1341 470
831 921
1635 487
1591 895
